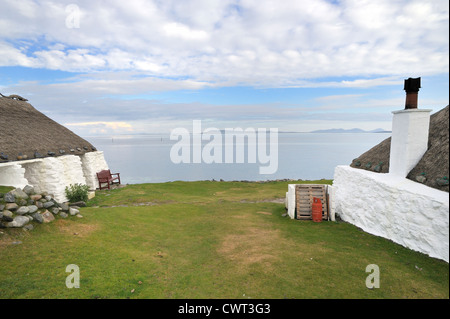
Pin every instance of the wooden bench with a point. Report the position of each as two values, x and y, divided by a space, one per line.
106 176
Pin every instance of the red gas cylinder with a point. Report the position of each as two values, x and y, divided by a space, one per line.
316 210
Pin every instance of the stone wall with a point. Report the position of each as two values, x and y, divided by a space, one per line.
12 174
26 208
409 213
53 174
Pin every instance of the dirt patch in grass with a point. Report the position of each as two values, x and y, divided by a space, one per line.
75 229
253 245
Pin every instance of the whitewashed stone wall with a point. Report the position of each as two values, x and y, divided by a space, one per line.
92 163
409 213
12 174
53 174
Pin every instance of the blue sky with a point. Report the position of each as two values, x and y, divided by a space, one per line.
121 67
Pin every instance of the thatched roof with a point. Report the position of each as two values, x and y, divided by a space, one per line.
24 131
434 164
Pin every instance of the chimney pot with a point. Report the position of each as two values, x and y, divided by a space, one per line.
412 86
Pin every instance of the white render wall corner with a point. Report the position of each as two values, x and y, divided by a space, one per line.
409 140
92 163
409 213
12 174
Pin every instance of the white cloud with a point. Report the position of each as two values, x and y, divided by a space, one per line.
252 42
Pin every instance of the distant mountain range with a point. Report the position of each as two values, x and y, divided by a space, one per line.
353 130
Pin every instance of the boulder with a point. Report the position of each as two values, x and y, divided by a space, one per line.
29 190
18 193
18 221
48 204
36 197
32 208
11 206
22 210
38 217
73 211
9 198
47 217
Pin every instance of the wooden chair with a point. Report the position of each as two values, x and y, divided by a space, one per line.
107 177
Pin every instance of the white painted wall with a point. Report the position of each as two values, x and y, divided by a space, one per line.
92 163
12 174
409 140
409 213
53 174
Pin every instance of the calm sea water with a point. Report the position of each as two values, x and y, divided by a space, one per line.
146 158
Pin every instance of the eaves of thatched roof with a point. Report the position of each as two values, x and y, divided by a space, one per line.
26 133
434 164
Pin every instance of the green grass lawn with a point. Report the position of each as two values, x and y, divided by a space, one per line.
207 240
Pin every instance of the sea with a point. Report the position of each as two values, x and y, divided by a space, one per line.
149 158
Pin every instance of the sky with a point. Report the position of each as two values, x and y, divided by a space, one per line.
150 66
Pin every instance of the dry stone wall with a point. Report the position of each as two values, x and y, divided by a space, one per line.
25 208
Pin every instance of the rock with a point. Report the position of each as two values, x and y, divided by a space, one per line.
22 202
79 216
38 217
29 190
28 227
22 210
47 217
421 179
18 193
79 204
9 198
73 211
2 207
63 215
11 206
18 221
48 204
7 213
7 218
36 197
32 208
64 206
55 211
37 155
39 204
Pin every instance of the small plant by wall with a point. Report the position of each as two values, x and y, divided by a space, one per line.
77 192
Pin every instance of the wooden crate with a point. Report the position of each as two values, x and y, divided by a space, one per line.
304 194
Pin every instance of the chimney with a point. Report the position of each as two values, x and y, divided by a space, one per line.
410 127
411 87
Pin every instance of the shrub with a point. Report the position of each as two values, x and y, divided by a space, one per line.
77 192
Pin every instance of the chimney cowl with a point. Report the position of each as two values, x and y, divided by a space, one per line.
412 86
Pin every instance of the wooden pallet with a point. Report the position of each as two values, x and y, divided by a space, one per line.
304 194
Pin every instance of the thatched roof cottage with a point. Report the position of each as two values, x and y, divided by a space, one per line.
37 151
